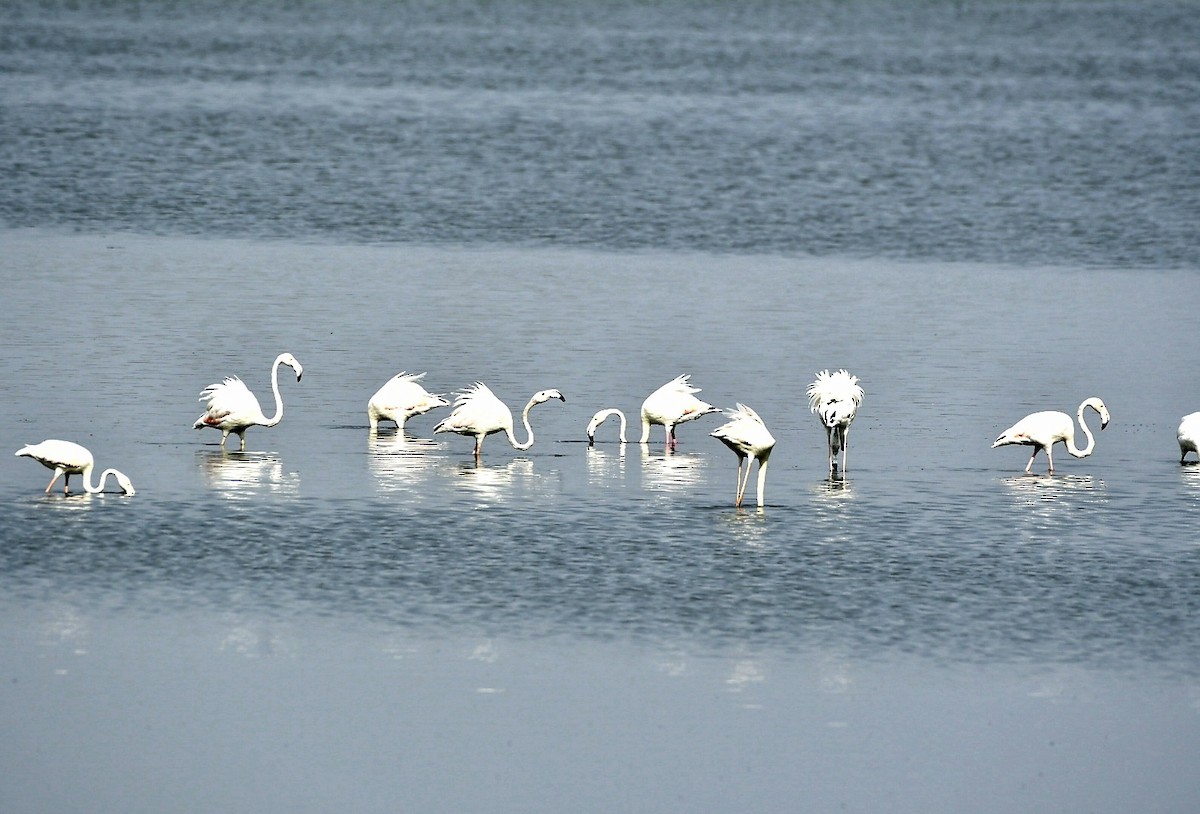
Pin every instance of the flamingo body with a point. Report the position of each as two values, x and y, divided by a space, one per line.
1042 430
835 398
747 435
479 413
401 398
671 405
231 407
1188 435
67 458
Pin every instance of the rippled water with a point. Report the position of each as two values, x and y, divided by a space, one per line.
980 210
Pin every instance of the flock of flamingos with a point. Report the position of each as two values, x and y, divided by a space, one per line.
477 412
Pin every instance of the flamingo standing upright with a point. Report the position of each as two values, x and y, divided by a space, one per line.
835 398
479 413
401 398
747 435
67 458
233 408
1044 429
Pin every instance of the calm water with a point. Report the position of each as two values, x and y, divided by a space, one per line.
981 211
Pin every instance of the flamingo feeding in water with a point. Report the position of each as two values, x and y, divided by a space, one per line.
1188 435
747 435
233 408
835 398
479 413
1045 429
67 458
401 398
670 405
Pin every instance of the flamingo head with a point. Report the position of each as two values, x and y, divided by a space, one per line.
545 395
125 483
1098 405
290 361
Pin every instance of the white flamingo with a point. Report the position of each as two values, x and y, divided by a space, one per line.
599 418
670 405
401 398
68 458
747 435
479 413
233 408
835 398
1188 435
1043 430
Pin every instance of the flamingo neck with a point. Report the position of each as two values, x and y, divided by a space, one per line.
1091 441
512 438
645 430
275 419
762 477
87 480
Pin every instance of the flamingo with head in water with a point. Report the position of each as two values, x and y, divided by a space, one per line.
747 435
67 458
1188 435
401 398
835 398
669 406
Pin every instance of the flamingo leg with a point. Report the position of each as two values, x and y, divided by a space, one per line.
845 447
745 480
57 474
478 445
738 494
242 438
1050 457
1029 465
829 448
224 436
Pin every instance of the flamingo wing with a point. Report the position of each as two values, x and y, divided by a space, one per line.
229 403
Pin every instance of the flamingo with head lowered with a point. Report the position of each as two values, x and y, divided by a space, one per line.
68 458
835 398
747 435
479 413
1188 435
233 408
401 398
670 405
1045 429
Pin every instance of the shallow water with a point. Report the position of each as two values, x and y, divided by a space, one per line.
981 210
616 585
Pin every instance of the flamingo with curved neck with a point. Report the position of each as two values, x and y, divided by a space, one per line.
1044 429
68 458
599 418
233 408
479 413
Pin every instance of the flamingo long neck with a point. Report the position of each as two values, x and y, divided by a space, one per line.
617 412
275 419
512 439
87 479
762 477
645 429
1091 441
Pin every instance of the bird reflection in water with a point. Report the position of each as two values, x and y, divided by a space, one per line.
1049 495
671 472
497 483
242 475
400 462
604 465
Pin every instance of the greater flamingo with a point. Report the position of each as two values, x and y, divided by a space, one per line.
835 398
401 398
1188 435
68 458
1043 430
747 435
233 408
599 418
479 413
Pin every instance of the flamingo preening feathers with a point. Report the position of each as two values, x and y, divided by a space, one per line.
1045 429
747 435
479 413
401 398
67 458
233 408
835 398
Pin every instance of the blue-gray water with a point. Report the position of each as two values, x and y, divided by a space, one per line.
980 209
